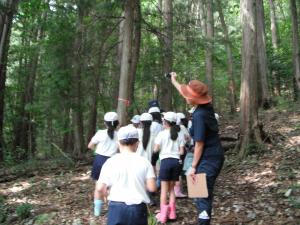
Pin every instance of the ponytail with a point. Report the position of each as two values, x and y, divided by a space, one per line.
111 127
156 117
174 129
146 133
184 122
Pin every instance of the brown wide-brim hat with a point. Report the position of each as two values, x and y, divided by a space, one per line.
196 91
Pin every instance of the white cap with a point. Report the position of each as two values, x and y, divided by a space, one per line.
146 117
110 117
135 119
170 116
179 117
127 132
153 110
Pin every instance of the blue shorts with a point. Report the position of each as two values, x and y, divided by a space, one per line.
97 165
121 214
169 169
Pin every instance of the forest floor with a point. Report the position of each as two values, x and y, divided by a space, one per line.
263 189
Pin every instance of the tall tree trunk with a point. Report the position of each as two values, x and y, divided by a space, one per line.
6 17
135 48
295 47
262 56
274 34
118 63
231 83
249 131
79 59
167 41
125 71
209 46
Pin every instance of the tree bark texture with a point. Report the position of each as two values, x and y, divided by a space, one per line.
166 88
6 18
249 131
118 62
77 107
275 41
126 61
135 50
209 46
231 82
262 56
295 47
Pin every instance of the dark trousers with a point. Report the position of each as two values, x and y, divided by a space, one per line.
121 214
205 204
211 168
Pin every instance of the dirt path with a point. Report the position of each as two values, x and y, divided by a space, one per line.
255 191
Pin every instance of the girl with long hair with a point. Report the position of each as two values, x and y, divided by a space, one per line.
105 144
170 145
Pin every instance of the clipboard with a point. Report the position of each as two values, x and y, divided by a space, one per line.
199 188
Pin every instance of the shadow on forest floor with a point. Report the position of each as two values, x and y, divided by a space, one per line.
263 189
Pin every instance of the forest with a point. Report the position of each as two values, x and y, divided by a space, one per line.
65 63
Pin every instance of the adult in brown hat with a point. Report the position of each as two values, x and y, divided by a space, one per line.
208 155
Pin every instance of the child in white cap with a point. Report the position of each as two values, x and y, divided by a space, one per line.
135 120
182 123
156 125
170 144
127 176
146 140
106 145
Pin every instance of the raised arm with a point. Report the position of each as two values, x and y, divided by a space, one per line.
174 81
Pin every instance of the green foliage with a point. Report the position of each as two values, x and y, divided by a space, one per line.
43 219
23 211
294 198
49 30
256 149
3 210
151 218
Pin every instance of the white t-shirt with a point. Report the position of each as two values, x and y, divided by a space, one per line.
184 131
168 147
126 174
155 128
105 145
149 150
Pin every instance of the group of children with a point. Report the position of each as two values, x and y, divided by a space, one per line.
124 167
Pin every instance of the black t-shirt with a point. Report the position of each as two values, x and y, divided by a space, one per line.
205 128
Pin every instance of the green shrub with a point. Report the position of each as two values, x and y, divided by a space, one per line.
23 211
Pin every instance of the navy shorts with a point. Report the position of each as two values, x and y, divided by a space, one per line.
169 169
97 165
121 214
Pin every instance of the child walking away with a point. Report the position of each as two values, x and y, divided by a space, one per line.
145 147
182 123
128 176
170 145
135 121
155 128
106 145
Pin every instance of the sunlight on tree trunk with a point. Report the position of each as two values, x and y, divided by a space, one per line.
249 130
